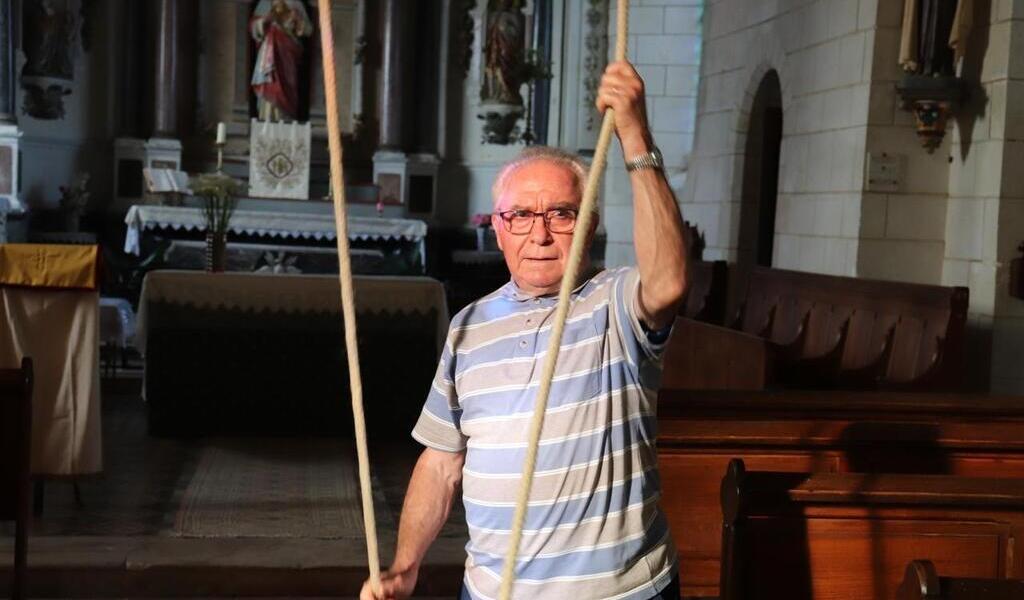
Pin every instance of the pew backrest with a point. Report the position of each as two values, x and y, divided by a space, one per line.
706 291
892 334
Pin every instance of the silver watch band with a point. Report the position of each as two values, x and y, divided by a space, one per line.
650 160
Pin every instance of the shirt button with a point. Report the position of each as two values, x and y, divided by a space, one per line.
522 343
529 321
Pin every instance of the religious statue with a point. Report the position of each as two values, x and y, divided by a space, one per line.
50 34
934 35
504 52
277 26
934 39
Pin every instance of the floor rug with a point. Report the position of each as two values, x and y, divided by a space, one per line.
288 487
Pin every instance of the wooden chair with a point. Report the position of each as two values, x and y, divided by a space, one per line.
922 582
15 454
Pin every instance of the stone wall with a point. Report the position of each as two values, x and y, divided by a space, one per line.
55 151
822 52
664 46
957 215
1007 230
902 232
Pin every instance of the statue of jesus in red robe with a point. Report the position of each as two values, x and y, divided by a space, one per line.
277 26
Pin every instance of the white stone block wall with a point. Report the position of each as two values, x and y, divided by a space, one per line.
902 236
822 51
1004 230
665 48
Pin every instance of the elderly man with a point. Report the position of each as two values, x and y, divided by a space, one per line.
593 528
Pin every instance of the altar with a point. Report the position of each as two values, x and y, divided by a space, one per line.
291 230
246 353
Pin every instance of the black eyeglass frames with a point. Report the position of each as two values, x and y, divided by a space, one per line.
557 220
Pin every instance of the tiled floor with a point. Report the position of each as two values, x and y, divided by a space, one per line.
144 477
125 523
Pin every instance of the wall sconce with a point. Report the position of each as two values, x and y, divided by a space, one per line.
933 100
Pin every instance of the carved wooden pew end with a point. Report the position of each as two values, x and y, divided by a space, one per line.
922 582
848 535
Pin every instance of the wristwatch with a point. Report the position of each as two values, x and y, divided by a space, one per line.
651 160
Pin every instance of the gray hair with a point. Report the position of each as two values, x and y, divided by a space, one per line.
570 161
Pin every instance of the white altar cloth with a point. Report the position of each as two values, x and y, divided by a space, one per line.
271 223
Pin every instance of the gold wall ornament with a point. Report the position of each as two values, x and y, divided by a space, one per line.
932 100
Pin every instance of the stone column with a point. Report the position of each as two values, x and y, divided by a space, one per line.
394 170
7 107
10 135
166 29
394 96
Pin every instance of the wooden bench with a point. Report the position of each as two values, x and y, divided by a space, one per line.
827 332
849 535
922 582
699 432
706 290
15 459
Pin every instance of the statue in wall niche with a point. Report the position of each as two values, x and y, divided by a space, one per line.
504 52
278 26
934 39
934 36
505 71
50 32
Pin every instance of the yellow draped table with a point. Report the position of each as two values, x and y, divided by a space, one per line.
239 353
49 310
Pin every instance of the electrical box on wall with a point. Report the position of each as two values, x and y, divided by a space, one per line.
884 172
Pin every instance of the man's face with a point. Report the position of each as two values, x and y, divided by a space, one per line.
537 259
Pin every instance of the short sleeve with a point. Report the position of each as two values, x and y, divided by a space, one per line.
627 308
438 425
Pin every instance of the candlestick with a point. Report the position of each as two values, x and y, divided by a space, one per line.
222 133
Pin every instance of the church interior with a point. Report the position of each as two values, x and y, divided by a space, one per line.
841 407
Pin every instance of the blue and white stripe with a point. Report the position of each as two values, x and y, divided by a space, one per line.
593 528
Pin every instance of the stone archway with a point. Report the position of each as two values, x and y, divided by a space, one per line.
760 175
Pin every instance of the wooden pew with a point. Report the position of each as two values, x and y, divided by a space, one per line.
922 582
699 432
706 292
827 332
849 535
15 459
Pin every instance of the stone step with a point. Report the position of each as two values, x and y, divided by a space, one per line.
168 567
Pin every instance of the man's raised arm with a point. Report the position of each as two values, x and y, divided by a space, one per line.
661 252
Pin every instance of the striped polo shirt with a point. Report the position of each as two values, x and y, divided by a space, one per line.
593 528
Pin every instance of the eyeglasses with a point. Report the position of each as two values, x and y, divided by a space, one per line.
557 220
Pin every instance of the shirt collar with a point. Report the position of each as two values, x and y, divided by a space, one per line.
512 291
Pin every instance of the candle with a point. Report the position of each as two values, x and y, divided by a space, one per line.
222 133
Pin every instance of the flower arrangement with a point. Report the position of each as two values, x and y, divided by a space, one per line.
220 197
73 201
481 220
